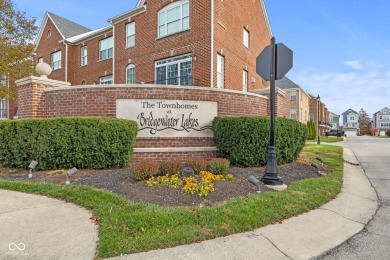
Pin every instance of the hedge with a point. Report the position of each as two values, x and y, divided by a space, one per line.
244 140
60 143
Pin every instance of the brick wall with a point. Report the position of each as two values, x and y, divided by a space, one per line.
149 48
49 98
49 45
231 17
95 68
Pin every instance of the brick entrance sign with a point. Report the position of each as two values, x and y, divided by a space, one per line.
173 121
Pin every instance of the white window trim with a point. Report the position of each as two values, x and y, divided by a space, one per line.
56 64
40 60
165 11
130 35
220 71
245 80
293 96
3 109
105 80
246 37
101 50
82 56
295 113
130 66
173 60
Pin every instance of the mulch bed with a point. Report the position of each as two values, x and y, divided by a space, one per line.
121 182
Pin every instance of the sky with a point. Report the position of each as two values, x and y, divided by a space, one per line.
340 48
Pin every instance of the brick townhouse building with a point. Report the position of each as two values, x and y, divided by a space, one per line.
319 113
208 43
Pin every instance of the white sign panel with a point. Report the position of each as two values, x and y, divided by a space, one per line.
169 118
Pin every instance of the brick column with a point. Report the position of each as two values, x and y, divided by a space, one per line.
31 96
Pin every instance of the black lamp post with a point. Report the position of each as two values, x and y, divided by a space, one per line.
271 176
318 119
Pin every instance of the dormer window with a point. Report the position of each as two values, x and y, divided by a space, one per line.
174 18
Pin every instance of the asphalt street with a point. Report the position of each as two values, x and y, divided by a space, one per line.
374 241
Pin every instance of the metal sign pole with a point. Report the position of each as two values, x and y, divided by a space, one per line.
271 172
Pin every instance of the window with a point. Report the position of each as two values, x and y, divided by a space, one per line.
293 113
245 81
83 82
48 34
106 80
130 35
174 18
301 114
352 118
385 124
56 60
130 74
40 60
3 108
246 37
175 71
293 95
220 71
84 56
311 117
385 111
106 48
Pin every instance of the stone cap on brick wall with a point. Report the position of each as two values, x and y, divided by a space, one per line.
251 93
42 81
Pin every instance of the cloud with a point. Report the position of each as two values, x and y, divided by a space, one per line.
354 64
368 88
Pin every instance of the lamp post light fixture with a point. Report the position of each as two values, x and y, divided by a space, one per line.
318 119
255 182
31 167
316 166
69 174
320 160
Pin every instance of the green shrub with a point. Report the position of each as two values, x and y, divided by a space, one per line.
219 166
58 143
170 167
312 130
198 164
244 140
144 169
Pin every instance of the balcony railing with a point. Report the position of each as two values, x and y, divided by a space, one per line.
181 81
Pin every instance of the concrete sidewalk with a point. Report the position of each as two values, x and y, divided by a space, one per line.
37 227
301 237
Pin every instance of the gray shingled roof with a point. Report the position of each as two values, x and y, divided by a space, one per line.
68 28
286 83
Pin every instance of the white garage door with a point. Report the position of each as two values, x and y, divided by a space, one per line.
350 133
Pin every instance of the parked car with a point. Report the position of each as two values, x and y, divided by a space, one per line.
335 132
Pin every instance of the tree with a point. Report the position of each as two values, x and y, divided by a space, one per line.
364 122
17 32
312 130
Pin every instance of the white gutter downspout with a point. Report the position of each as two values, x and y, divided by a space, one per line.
66 62
7 99
212 46
113 54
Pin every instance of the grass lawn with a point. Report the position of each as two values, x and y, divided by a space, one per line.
128 227
330 139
